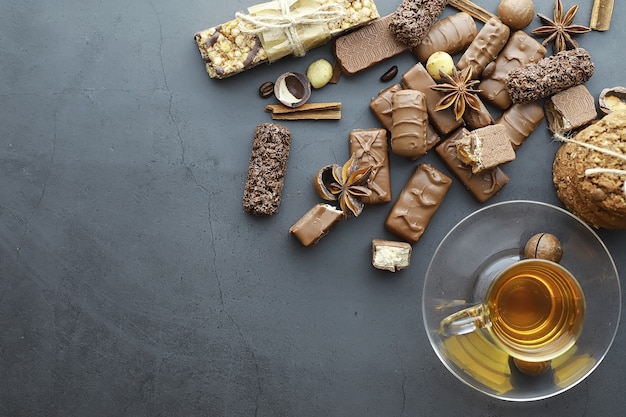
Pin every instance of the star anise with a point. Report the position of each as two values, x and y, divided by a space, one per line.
459 89
560 29
350 184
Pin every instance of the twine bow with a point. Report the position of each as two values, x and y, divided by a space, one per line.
288 20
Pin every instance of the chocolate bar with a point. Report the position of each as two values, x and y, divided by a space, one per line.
266 33
381 105
521 49
410 118
367 46
485 148
412 20
485 47
451 34
520 120
482 186
370 147
266 172
390 255
475 119
417 78
549 76
417 203
570 109
316 223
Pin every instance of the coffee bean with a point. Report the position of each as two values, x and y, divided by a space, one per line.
390 74
266 89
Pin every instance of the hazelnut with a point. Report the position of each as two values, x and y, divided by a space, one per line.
544 246
319 73
293 89
439 62
516 14
532 368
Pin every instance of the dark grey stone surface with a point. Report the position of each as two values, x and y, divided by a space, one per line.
133 284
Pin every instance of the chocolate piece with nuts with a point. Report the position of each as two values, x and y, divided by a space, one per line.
266 172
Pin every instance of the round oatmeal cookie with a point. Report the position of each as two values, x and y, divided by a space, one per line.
597 198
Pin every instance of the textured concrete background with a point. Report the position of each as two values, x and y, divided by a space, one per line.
133 284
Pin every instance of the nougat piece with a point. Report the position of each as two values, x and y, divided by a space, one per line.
418 202
485 148
485 47
451 34
409 122
267 168
521 49
521 120
483 185
316 223
570 109
370 146
391 255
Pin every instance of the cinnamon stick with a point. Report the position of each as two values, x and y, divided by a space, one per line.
472 9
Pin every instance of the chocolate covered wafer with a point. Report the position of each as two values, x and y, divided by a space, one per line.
451 34
485 47
266 172
417 78
482 186
520 120
549 75
381 105
367 46
521 49
485 148
570 109
370 147
410 118
412 20
417 203
316 223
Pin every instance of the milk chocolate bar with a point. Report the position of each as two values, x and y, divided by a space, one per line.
266 172
570 109
410 118
475 119
412 20
485 148
482 186
381 105
390 255
417 78
367 46
485 47
371 149
417 203
521 49
549 75
316 223
249 40
520 120
451 34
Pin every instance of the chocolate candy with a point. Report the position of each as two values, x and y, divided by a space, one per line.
570 109
316 223
381 105
485 47
417 78
451 34
520 120
370 147
390 74
390 255
521 49
482 186
549 76
412 20
410 118
475 119
485 148
367 46
266 172
417 203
